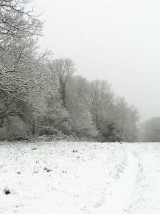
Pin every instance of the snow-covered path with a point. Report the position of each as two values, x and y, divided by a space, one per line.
123 189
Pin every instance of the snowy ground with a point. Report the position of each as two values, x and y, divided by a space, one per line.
76 178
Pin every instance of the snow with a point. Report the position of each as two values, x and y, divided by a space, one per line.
80 177
122 189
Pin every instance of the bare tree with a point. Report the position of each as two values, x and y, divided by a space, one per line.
62 69
18 28
16 21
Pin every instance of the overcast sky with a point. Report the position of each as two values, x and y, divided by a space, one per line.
115 40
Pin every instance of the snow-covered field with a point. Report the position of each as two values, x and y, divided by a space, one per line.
76 178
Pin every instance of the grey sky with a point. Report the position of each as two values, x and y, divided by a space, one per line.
115 40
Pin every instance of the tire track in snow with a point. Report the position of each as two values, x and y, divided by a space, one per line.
122 190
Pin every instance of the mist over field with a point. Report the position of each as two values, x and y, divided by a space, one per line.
79 122
117 41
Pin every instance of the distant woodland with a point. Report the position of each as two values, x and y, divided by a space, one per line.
43 96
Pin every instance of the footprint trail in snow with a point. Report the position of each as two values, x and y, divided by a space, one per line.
122 190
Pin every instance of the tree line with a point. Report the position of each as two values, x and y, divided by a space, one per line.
41 95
